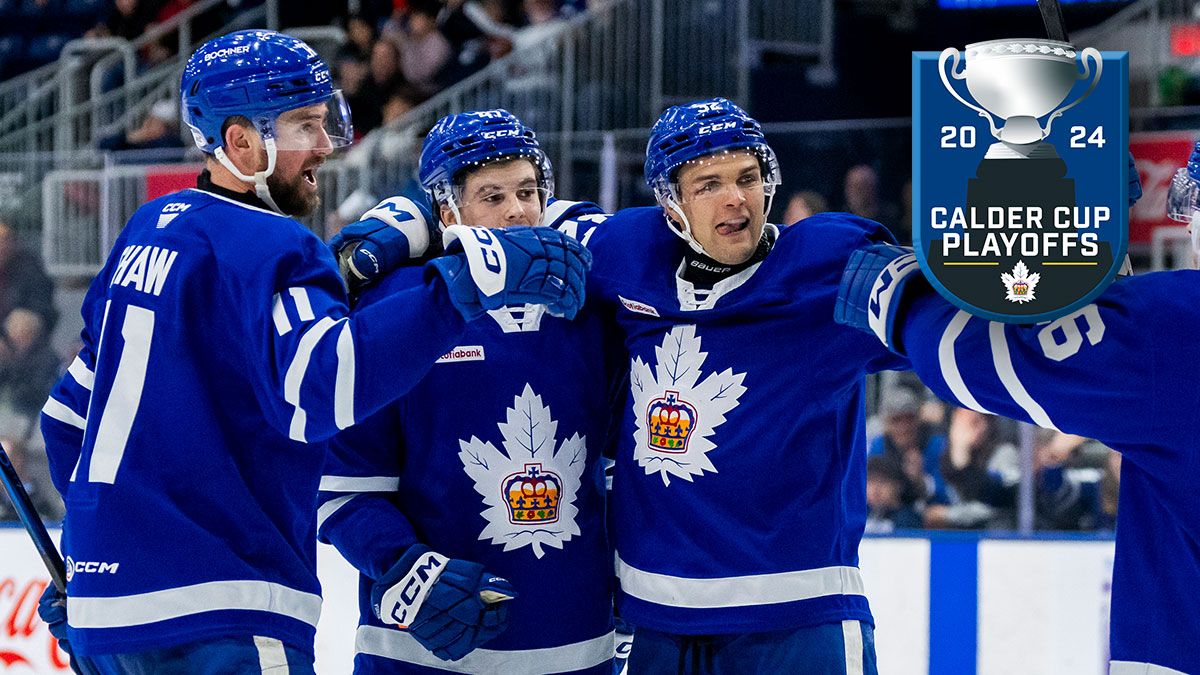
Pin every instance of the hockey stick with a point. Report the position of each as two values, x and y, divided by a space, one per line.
41 539
32 522
1053 18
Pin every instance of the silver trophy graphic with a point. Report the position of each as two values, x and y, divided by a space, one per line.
1019 81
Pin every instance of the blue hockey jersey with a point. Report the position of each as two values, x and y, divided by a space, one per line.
740 486
1121 370
187 437
494 457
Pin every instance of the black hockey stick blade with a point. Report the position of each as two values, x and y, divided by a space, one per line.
32 522
1053 18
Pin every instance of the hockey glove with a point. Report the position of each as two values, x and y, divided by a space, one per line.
52 608
488 269
386 237
872 288
449 606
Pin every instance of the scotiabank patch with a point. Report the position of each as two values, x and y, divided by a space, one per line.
463 353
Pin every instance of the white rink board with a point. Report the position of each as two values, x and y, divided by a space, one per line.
1042 606
896 575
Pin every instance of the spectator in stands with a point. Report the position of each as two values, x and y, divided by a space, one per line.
861 192
424 51
911 443
802 205
28 370
125 19
360 38
23 281
29 459
1070 497
158 130
890 497
383 79
980 472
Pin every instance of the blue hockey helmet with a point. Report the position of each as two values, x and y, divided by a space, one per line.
258 74
470 140
684 133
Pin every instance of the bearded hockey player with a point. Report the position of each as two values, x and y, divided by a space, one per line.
218 355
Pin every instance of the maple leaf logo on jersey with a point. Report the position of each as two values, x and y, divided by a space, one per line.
1020 283
529 489
676 412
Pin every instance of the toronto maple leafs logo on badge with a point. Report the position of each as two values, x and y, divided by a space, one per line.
530 487
1020 283
677 412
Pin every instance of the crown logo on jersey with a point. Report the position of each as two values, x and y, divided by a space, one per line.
533 495
671 421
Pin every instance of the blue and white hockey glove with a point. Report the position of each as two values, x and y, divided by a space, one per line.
392 233
450 606
488 269
872 287
52 608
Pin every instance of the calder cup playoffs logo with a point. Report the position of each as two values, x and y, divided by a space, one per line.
1020 175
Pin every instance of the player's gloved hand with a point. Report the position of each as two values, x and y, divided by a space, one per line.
487 269
450 606
389 235
872 287
52 608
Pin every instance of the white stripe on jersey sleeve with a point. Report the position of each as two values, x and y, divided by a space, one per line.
1008 375
331 507
283 325
303 306
82 375
212 596
295 374
58 410
556 211
360 483
949 363
343 387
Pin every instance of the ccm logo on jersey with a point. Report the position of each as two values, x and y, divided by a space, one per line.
402 601
81 567
639 307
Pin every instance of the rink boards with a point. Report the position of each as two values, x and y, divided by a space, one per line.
943 604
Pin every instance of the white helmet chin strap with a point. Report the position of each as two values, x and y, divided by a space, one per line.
259 178
684 229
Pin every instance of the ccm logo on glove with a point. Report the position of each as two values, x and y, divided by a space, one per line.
406 597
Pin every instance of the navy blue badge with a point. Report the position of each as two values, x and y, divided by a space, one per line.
1019 175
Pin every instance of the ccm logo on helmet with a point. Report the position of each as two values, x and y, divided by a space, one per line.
720 126
228 51
488 135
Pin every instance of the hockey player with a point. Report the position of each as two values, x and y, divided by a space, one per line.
218 355
740 496
490 465
737 528
1118 370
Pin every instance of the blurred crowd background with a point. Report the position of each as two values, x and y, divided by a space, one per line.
836 114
